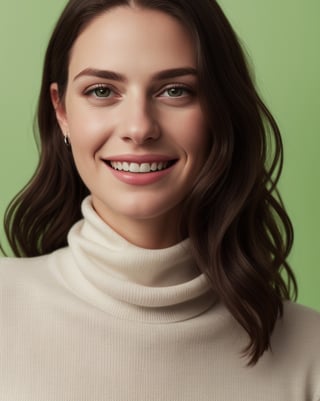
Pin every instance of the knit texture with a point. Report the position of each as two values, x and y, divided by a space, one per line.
104 320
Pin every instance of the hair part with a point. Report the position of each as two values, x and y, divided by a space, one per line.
239 231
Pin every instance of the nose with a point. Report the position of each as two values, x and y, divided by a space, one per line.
138 121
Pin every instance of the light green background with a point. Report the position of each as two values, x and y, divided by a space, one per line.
282 40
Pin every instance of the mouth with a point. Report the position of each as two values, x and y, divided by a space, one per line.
143 168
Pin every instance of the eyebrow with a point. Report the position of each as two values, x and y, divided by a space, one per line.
114 76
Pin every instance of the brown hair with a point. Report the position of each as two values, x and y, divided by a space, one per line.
240 233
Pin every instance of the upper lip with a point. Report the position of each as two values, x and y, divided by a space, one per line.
140 158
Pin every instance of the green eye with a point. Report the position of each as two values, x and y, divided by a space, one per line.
102 91
175 92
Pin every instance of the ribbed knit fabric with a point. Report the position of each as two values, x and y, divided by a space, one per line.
132 283
104 320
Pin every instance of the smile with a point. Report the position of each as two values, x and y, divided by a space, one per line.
141 167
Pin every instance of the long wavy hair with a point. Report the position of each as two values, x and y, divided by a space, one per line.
239 231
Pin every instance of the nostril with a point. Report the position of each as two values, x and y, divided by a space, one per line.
139 140
140 133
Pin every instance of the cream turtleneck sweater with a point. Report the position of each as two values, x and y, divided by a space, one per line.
104 320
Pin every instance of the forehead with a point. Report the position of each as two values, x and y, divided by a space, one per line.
133 37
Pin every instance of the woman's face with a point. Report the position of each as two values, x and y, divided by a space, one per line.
132 112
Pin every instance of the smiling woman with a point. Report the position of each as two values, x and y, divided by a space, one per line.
139 113
152 231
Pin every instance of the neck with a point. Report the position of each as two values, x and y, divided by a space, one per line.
149 233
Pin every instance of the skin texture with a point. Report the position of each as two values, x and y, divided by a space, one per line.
139 117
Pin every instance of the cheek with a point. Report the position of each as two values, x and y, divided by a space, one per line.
88 127
191 132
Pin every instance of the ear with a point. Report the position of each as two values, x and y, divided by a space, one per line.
59 108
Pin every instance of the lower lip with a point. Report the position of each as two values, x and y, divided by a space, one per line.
139 178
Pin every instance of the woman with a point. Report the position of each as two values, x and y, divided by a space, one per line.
169 287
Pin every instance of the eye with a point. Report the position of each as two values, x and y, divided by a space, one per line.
102 91
99 91
176 91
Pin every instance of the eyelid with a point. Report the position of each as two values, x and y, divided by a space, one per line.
177 85
89 90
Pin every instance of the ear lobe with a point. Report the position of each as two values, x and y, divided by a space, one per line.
59 108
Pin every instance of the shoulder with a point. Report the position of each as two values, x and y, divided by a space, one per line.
299 317
10 266
298 330
295 311
29 274
20 273
28 283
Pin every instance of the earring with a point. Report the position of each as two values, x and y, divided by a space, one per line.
66 140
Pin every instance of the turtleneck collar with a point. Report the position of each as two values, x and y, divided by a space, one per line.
151 285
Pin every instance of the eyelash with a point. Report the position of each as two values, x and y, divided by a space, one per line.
94 88
178 86
91 90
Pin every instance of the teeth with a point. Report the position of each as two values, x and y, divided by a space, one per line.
154 167
145 168
134 168
139 168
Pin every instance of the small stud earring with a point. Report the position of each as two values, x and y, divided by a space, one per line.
66 140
